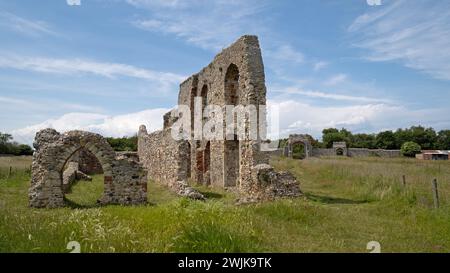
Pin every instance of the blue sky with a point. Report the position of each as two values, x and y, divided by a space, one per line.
110 65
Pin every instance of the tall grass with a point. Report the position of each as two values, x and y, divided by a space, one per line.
346 203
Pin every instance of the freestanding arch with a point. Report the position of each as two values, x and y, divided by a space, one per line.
124 180
294 139
340 148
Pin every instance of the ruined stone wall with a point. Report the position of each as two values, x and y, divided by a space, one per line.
234 77
245 56
318 152
165 159
362 152
124 180
87 162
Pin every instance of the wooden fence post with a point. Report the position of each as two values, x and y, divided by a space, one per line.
404 181
435 193
10 171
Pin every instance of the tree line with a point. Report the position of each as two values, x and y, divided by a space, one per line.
8 146
123 143
426 138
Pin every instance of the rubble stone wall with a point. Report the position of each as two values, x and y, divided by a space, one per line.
164 158
124 180
235 77
358 152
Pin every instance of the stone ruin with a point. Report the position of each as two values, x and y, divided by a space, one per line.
71 174
339 148
235 77
125 181
295 139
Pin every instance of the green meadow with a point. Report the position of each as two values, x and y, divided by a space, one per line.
347 203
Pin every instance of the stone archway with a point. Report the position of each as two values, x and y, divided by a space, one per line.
295 139
124 180
340 148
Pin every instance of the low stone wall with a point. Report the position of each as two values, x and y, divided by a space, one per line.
277 152
268 184
128 155
358 152
323 152
71 174
362 152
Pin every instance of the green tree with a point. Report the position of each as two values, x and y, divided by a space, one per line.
124 143
331 135
5 146
385 140
410 149
363 141
425 137
5 138
25 149
443 140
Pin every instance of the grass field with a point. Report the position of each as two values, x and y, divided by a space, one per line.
346 203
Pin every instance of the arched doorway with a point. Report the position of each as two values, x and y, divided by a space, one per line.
231 146
83 179
339 151
298 150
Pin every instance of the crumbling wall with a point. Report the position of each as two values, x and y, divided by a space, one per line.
124 181
87 162
164 158
362 152
318 152
268 184
71 174
243 59
235 77
358 152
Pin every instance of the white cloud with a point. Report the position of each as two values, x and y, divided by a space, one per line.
286 53
114 126
14 104
322 95
158 3
294 117
163 81
203 23
415 34
297 117
336 79
320 65
74 66
25 26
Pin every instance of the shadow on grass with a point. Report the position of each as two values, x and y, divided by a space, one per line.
333 200
211 195
74 205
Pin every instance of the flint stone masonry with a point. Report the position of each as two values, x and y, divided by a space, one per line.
234 77
270 185
124 180
87 162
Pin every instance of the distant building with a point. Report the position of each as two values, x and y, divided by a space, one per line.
433 155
